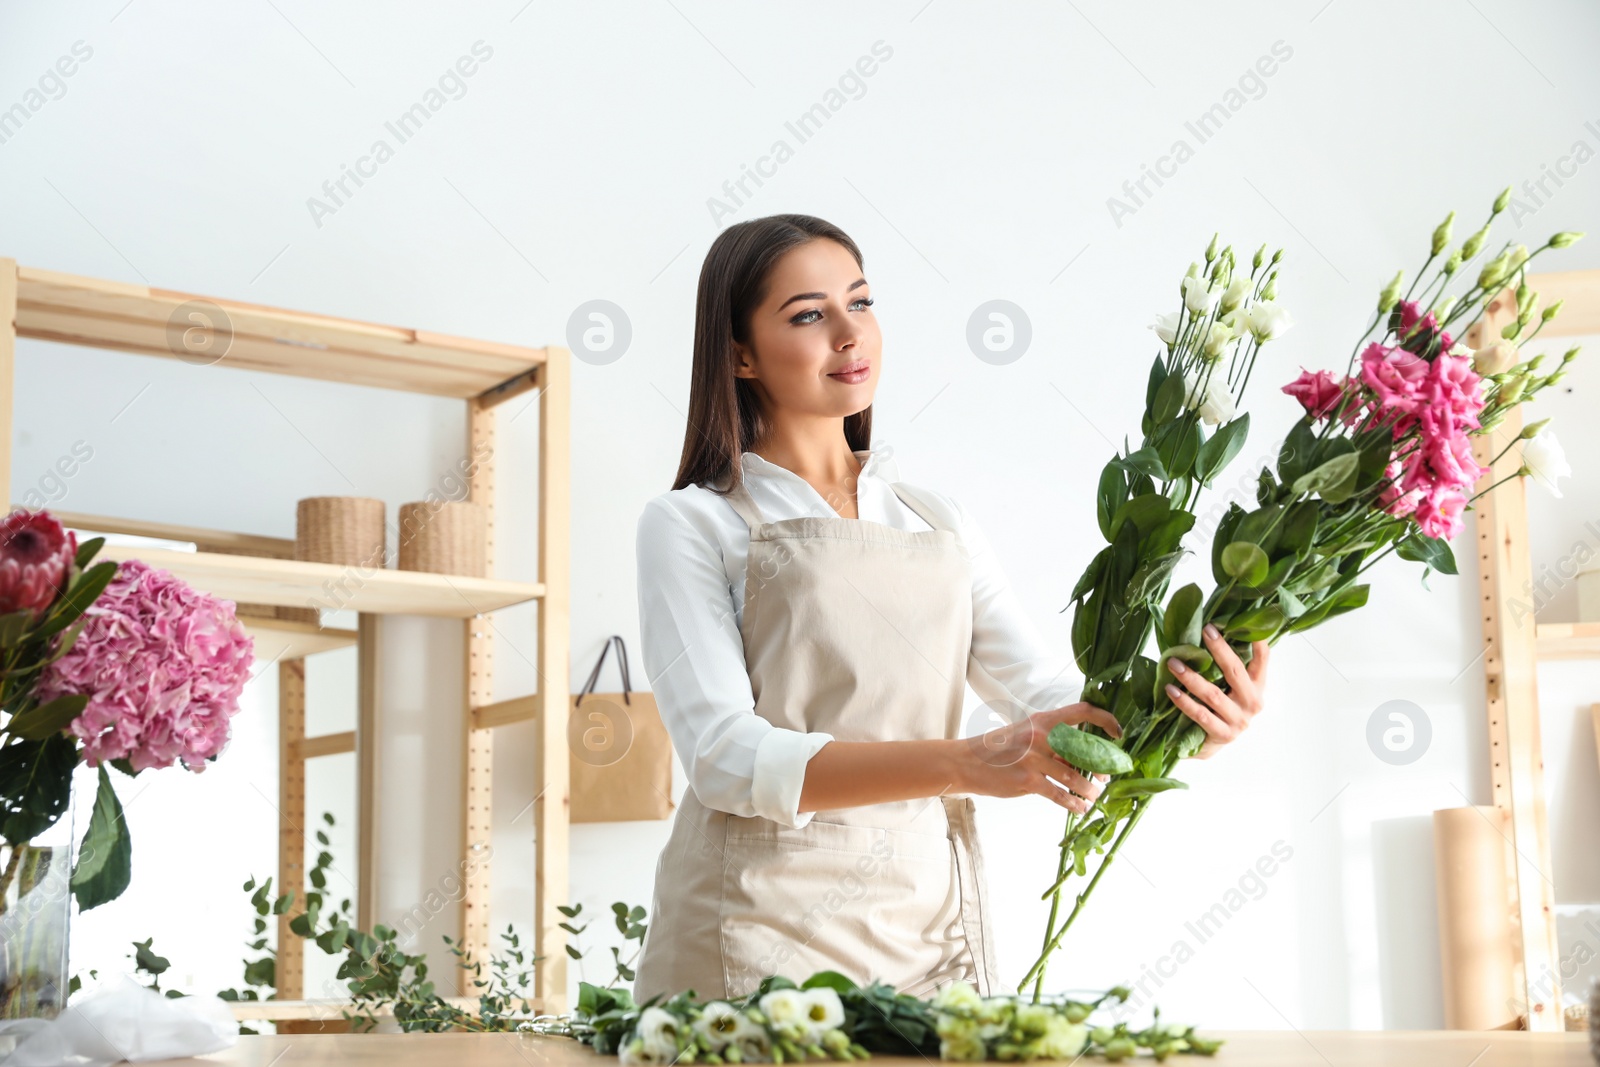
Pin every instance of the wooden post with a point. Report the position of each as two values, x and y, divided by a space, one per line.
8 367
368 740
478 745
291 966
552 798
1510 662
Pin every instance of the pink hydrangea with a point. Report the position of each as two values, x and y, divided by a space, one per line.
163 665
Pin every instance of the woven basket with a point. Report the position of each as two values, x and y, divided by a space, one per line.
343 530
447 537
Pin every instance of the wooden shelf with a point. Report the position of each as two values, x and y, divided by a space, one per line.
260 580
146 321
277 639
1569 640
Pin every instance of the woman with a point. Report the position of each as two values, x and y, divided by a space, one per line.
810 625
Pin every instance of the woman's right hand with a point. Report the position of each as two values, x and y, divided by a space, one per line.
1016 758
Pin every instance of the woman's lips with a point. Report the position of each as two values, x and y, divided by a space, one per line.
853 373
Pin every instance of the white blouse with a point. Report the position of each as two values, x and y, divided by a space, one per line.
692 549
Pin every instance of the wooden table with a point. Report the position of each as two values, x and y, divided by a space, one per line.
1245 1048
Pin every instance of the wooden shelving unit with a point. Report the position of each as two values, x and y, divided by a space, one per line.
1512 653
249 568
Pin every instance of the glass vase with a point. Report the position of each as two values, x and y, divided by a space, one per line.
35 913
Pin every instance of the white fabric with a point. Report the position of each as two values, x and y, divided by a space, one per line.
692 549
121 1020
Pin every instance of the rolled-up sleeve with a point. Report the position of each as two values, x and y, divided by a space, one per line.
1010 656
693 654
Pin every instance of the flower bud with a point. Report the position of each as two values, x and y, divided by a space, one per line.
1441 236
1512 391
1211 249
1511 329
1556 377
1502 200
1472 245
1533 427
1565 238
1494 359
1552 311
1255 263
1391 292
1533 364
1270 290
1452 264
1519 256
1493 272
1277 256
1570 355
1442 311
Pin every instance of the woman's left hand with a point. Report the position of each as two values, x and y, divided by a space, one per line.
1223 716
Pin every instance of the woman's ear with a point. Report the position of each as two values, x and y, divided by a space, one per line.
742 361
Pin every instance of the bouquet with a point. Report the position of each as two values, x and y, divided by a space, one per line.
828 1016
120 665
1380 462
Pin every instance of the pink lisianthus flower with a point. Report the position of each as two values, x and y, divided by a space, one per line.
1396 378
163 666
36 554
1439 512
1419 332
1318 393
1453 386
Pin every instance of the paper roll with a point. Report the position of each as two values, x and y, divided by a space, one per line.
1472 860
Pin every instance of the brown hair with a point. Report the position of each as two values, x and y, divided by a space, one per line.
725 417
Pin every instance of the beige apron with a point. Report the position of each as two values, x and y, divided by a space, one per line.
861 630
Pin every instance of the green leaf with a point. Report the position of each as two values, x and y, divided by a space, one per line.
1334 480
1294 457
1219 451
13 627
83 592
146 960
1181 622
86 551
830 979
1141 787
1257 624
1421 548
40 722
1245 562
1169 398
1146 461
1111 495
105 857
36 782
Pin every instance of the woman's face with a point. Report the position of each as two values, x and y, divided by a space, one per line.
815 322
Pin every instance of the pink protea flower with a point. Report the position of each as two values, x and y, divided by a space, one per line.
35 554
163 666
1318 393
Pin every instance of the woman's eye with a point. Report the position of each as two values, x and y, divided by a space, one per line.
811 315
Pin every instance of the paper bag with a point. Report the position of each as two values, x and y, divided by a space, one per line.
621 753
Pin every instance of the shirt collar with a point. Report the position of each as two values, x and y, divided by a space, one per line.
871 460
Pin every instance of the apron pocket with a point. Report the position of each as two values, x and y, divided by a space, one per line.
870 902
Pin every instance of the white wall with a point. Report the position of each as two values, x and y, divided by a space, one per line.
975 163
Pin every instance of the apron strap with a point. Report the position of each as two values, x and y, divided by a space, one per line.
929 516
741 500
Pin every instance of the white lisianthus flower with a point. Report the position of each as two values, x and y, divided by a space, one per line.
1063 1040
719 1023
958 995
1166 326
1268 320
785 1009
824 1010
1218 337
1216 406
1543 458
1200 295
634 1053
659 1029
1236 293
967 1046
